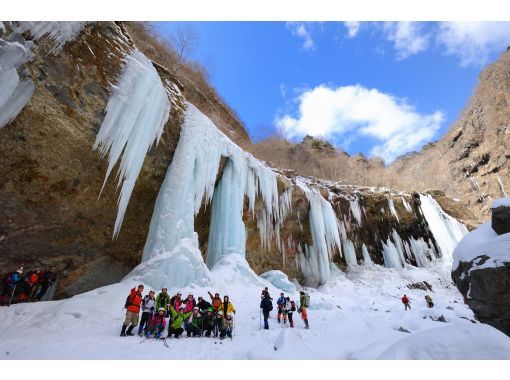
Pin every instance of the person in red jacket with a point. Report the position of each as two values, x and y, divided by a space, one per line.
132 305
406 302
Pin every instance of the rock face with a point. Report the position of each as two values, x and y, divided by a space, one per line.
486 291
471 162
501 220
50 213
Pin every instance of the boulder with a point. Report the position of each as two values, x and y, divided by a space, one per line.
501 219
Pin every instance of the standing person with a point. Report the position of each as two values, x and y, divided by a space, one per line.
133 309
218 323
46 280
203 305
428 299
176 301
266 305
148 307
189 304
215 301
162 300
32 279
290 307
406 302
10 281
281 308
157 324
303 305
175 328
194 326
227 307
227 326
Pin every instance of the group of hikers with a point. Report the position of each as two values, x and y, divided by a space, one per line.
195 317
286 308
31 286
407 302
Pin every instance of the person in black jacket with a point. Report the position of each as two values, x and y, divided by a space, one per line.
203 305
266 305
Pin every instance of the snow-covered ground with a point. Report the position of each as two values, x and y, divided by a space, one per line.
356 315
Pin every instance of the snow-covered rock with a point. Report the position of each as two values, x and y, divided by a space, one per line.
279 280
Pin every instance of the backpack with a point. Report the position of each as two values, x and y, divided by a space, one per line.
128 302
292 306
307 300
8 278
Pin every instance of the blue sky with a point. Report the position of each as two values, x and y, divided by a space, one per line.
377 88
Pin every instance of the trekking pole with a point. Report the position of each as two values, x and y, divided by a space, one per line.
12 295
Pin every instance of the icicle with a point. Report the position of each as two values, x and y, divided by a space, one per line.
349 253
391 255
447 231
391 205
356 211
59 32
14 94
136 114
406 204
367 261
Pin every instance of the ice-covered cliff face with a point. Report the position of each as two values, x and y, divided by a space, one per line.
343 225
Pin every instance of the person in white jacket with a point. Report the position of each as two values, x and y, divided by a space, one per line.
290 307
148 307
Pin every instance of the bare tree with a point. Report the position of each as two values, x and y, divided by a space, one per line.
184 40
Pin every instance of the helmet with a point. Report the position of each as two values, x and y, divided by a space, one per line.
183 306
195 308
161 309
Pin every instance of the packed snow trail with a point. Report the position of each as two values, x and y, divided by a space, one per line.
353 316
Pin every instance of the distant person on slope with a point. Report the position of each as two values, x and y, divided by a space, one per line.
133 309
303 305
406 302
10 281
175 328
266 305
148 307
428 299
32 280
157 324
281 308
290 308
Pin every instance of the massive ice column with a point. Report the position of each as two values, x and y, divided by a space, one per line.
135 117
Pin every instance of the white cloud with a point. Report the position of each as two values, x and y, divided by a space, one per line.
473 42
352 28
300 29
408 37
349 112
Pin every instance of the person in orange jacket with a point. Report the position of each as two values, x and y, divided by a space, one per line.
132 305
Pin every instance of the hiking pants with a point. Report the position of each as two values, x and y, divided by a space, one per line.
266 316
176 332
407 306
158 329
227 332
290 319
131 318
193 330
146 317
280 312
304 314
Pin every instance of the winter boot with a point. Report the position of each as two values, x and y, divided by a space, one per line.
291 324
128 332
306 323
123 331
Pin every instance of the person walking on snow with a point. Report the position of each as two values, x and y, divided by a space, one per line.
428 299
175 328
133 309
266 305
281 308
406 302
148 307
290 307
157 324
303 304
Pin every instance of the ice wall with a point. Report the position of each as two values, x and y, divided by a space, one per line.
136 114
447 230
190 181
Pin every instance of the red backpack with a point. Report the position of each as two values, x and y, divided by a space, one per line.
405 299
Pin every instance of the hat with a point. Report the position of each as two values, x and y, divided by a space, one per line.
161 309
20 270
195 308
182 307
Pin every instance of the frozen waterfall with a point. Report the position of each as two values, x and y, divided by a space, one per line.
447 230
136 114
60 32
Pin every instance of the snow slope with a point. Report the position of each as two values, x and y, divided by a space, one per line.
355 315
